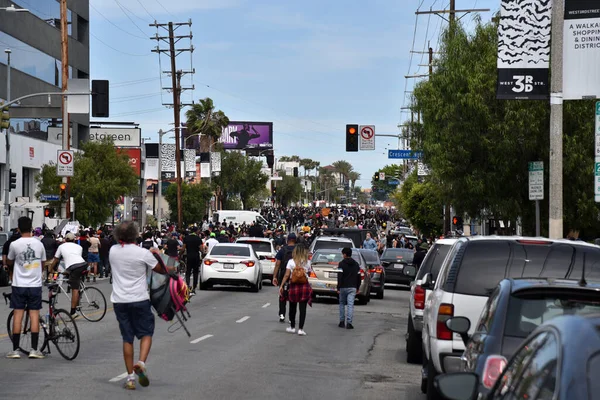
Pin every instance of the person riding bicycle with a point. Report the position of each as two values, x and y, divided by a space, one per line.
71 252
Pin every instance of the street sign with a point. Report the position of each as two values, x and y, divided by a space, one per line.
597 180
536 180
393 182
598 118
50 197
367 137
405 154
65 163
422 169
382 176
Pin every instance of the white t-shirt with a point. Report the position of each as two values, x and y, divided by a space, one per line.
292 264
211 242
71 253
130 265
28 255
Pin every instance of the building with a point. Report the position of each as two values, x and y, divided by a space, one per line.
34 40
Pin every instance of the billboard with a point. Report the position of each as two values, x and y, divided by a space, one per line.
241 135
121 137
135 158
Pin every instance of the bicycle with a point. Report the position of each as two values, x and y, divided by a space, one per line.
92 303
58 327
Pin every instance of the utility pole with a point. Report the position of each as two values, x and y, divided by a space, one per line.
7 172
556 122
66 140
176 90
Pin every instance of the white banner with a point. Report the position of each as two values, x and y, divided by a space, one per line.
581 50
205 170
215 161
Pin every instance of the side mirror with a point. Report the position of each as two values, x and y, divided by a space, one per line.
457 386
460 325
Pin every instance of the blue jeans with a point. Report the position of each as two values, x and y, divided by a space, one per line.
347 296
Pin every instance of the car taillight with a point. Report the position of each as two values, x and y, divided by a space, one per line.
312 274
248 263
376 270
419 297
362 275
494 365
209 261
272 259
445 312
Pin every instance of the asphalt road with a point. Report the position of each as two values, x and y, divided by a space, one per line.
237 350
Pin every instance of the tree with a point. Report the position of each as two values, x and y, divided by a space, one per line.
194 200
326 182
289 190
421 204
382 188
48 182
204 120
343 168
353 176
102 175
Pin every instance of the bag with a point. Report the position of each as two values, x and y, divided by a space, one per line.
3 276
299 275
169 293
147 244
287 256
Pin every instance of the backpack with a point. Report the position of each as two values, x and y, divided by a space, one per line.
147 244
3 276
299 275
169 293
287 256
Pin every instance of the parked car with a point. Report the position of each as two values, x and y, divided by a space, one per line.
231 264
357 236
376 272
470 273
266 254
398 265
330 243
430 265
549 364
323 279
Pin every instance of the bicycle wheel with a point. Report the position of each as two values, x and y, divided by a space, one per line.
92 304
25 339
66 335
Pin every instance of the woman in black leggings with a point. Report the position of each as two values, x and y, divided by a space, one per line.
299 294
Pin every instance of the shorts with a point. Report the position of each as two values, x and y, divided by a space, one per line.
75 275
47 265
26 298
135 319
93 257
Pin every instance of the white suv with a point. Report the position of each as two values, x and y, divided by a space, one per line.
469 274
418 294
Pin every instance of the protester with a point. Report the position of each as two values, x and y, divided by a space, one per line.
348 284
299 292
283 256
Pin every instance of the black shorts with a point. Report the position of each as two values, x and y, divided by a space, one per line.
135 319
26 298
75 272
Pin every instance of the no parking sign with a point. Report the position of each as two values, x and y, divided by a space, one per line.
367 137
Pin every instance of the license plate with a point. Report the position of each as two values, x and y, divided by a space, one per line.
227 266
398 266
332 275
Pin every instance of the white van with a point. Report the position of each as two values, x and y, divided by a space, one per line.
239 217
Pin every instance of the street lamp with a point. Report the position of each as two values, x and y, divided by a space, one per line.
12 8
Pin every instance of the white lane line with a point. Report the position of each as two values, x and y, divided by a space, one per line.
266 305
239 321
118 378
201 339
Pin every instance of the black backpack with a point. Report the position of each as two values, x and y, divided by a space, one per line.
287 256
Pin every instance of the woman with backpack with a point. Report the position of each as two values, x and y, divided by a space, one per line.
299 292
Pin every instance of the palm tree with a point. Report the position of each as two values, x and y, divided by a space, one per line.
353 176
327 181
343 168
203 119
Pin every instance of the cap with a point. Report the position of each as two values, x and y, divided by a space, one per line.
223 233
291 236
70 236
212 234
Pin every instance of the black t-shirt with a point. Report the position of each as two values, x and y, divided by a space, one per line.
192 245
171 249
11 239
85 245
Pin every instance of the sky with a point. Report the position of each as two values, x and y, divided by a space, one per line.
310 67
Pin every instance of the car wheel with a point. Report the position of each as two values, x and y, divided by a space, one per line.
260 283
205 286
414 351
432 393
380 294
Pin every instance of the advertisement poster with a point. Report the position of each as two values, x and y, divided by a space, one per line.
581 50
524 49
247 135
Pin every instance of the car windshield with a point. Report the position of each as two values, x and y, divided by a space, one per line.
258 246
328 244
527 312
230 251
399 255
371 257
332 257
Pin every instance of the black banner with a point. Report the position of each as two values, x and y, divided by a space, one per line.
522 84
582 9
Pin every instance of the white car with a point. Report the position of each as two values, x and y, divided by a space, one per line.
330 243
234 264
265 251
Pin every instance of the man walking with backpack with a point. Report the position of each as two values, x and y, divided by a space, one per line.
284 255
348 284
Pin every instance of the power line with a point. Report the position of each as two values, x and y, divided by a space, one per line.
145 111
133 82
145 9
117 50
129 18
164 8
117 26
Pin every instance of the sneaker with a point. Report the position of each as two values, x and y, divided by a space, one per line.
140 370
192 293
342 324
13 354
301 332
290 330
36 354
281 318
349 326
130 384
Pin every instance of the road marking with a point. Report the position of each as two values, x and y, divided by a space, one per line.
201 339
239 321
266 305
118 378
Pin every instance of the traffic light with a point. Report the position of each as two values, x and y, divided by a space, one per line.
13 180
100 98
295 172
457 222
63 192
376 177
4 117
351 137
273 189
49 212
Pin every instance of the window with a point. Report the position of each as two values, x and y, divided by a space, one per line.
263 247
398 255
433 261
26 182
326 244
448 262
532 372
483 266
371 257
48 10
230 251
489 310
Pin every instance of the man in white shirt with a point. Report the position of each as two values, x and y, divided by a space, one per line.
130 265
26 256
211 241
71 254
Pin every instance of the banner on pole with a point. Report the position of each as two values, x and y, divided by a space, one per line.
581 50
524 50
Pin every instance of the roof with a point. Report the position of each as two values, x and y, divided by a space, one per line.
446 241
529 238
254 239
522 284
333 239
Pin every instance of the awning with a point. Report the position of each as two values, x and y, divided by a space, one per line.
29 205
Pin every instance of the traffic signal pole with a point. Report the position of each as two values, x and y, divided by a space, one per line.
7 165
66 142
